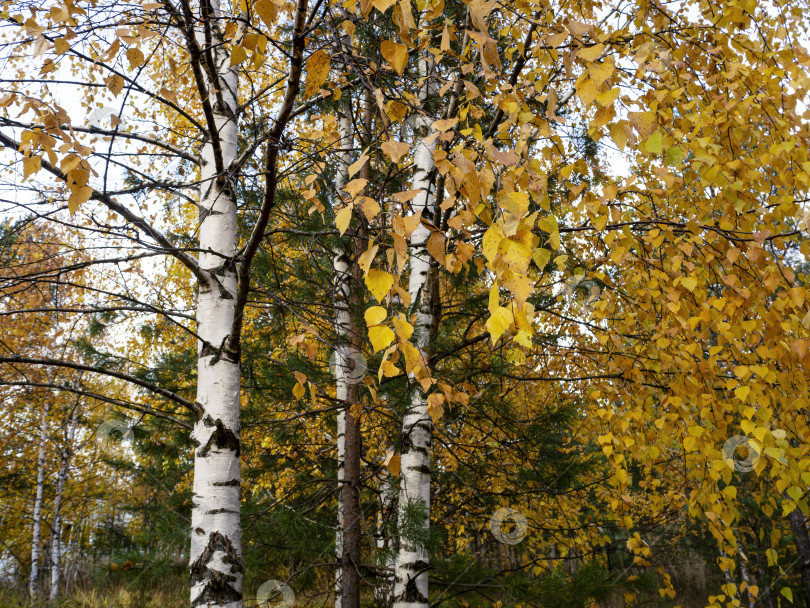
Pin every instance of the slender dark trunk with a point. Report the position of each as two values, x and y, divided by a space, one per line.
353 441
799 529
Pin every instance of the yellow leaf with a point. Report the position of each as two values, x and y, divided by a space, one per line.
541 257
379 283
517 251
492 238
689 282
405 196
61 46
599 72
342 219
435 409
299 390
358 164
393 463
444 46
382 5
31 165
644 123
395 149
608 97
591 53
498 322
135 57
367 257
395 54
317 71
396 110
788 593
742 392
355 186
380 337
267 11
654 143
388 370
115 83
588 90
444 124
618 134
520 286
79 196
403 328
410 223
435 246
674 156
370 207
375 315
238 55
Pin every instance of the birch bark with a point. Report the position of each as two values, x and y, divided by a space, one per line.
56 526
343 355
411 577
216 562
37 514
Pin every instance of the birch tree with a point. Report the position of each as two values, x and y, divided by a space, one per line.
129 62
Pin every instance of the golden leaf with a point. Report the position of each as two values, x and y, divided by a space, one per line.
267 11
375 315
618 134
653 144
380 337
367 257
358 164
444 124
607 98
343 218
516 251
403 328
31 165
405 196
393 463
591 53
355 186
395 54
382 5
79 196
135 57
370 207
379 283
317 71
115 83
299 390
644 122
498 322
61 46
435 409
435 246
238 55
395 149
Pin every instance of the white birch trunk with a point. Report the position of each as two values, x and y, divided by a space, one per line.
343 355
382 592
216 561
56 525
411 583
37 515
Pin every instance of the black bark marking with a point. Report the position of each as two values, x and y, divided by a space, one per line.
411 593
218 586
223 438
